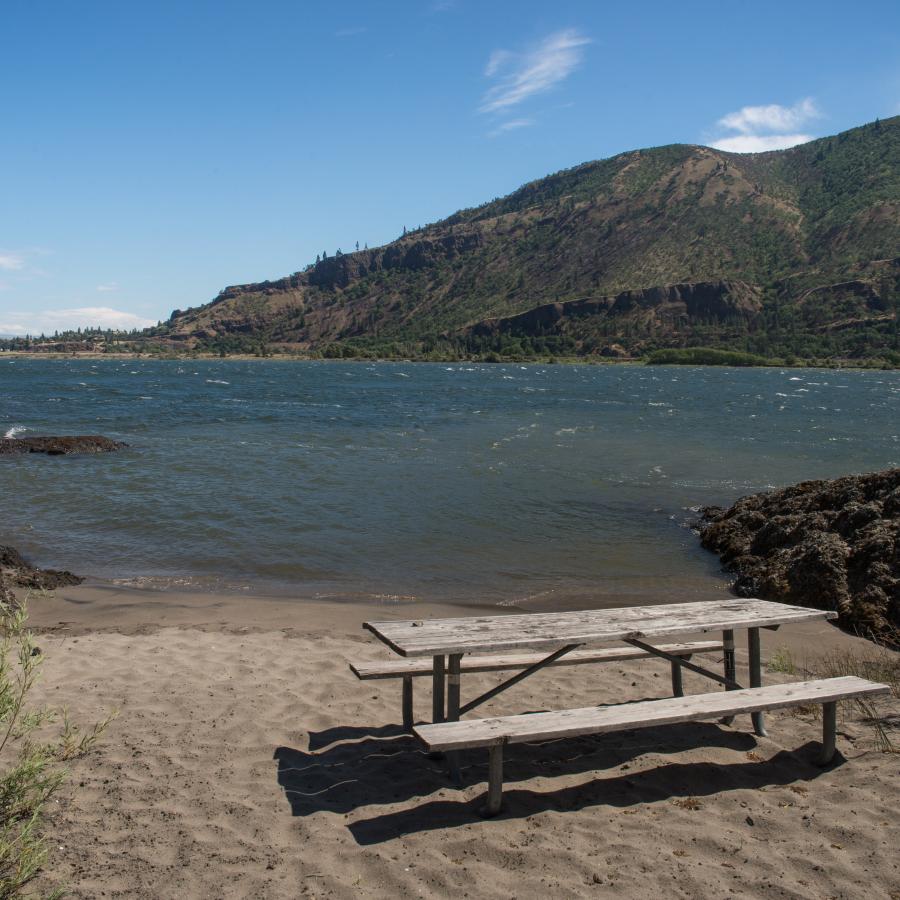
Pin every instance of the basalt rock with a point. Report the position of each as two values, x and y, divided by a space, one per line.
59 446
825 544
15 571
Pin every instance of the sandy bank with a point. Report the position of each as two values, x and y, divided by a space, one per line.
247 762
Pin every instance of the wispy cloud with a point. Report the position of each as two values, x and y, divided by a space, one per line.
523 75
756 129
50 320
109 286
511 125
11 262
351 31
439 6
496 61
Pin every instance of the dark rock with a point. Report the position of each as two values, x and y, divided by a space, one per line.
826 544
60 446
16 572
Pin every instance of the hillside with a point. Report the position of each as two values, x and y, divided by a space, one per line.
787 252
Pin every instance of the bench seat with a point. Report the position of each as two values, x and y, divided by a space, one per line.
418 667
407 669
495 732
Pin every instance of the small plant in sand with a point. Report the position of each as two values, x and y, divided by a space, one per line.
782 661
31 762
875 663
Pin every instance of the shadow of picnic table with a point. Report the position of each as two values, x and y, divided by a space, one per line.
350 768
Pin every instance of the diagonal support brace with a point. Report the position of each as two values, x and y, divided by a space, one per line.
487 695
681 661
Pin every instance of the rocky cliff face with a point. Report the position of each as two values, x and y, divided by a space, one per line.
721 301
826 544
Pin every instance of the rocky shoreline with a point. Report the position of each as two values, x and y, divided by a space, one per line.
824 544
16 572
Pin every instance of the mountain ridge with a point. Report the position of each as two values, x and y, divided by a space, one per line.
812 234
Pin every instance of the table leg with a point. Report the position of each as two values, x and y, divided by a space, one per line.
677 684
408 717
730 667
829 732
437 689
759 724
453 686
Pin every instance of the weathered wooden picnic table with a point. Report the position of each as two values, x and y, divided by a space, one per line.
448 640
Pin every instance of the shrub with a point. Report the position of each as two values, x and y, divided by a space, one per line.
32 766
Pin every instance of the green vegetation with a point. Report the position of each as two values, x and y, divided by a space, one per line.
32 770
706 356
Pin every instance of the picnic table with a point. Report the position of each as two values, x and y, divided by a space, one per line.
565 638
561 633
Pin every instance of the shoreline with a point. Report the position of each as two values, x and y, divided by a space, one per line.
100 608
837 365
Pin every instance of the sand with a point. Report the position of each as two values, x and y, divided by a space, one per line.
247 761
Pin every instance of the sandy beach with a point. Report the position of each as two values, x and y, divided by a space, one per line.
247 761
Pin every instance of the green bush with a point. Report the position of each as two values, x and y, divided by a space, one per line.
32 766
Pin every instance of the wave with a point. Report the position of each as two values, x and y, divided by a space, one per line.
15 431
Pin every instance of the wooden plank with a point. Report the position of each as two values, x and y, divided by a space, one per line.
545 631
401 668
545 726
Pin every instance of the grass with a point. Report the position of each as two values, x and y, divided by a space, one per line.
875 663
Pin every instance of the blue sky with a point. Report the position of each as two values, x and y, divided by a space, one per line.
152 153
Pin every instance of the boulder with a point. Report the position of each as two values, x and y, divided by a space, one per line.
825 544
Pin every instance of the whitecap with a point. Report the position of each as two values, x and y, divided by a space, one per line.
216 381
15 431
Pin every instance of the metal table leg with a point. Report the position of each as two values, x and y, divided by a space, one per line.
730 667
759 724
437 689
453 686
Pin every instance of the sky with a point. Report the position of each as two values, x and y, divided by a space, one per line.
153 153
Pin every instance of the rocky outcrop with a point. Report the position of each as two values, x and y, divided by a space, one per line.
16 572
60 446
720 301
825 544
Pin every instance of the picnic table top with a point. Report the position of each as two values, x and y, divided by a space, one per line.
549 631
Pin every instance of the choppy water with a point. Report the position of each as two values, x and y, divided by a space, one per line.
537 485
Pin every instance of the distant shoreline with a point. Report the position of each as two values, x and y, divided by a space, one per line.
875 365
